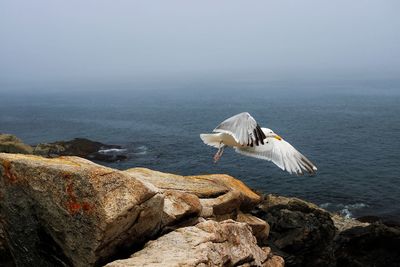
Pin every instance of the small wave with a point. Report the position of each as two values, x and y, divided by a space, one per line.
141 150
112 151
344 210
347 210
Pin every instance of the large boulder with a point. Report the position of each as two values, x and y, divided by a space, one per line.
259 227
11 144
81 147
70 211
179 207
209 243
219 194
300 231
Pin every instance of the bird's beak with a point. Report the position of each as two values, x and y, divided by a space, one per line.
278 137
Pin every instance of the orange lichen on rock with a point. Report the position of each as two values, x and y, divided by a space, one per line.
7 172
73 207
72 204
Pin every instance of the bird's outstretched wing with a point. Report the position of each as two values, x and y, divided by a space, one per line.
243 128
283 154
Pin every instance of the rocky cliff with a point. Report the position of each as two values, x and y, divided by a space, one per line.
68 211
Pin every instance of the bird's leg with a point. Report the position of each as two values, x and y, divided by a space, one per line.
219 153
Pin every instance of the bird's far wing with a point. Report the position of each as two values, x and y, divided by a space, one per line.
283 154
244 129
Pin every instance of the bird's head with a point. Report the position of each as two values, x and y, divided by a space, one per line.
270 133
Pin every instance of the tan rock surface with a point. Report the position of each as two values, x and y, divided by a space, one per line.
259 227
219 193
82 210
274 261
224 204
274 200
249 198
342 223
202 188
180 205
209 243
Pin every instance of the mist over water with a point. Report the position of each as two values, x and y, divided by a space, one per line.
109 41
349 130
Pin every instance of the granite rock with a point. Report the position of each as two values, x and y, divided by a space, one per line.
209 243
219 194
70 211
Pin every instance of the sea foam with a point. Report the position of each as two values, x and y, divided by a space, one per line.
112 151
346 210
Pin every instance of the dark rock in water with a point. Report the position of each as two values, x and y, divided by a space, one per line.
306 235
369 219
377 219
300 231
373 245
82 147
11 144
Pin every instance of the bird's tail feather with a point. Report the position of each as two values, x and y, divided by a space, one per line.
213 140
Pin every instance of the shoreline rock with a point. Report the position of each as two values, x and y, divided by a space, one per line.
301 232
84 214
69 211
307 235
11 144
80 147
372 245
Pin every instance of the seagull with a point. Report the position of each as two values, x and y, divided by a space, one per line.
245 135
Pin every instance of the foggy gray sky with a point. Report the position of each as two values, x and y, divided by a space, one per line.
118 40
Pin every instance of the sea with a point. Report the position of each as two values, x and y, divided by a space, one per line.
350 130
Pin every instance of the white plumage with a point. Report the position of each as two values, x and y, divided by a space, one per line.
247 138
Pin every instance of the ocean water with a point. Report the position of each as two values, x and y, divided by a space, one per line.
351 132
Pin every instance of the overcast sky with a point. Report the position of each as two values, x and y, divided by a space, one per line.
124 40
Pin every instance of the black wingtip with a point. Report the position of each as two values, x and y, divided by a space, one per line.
311 169
259 135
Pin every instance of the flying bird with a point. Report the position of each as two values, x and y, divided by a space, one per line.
245 135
